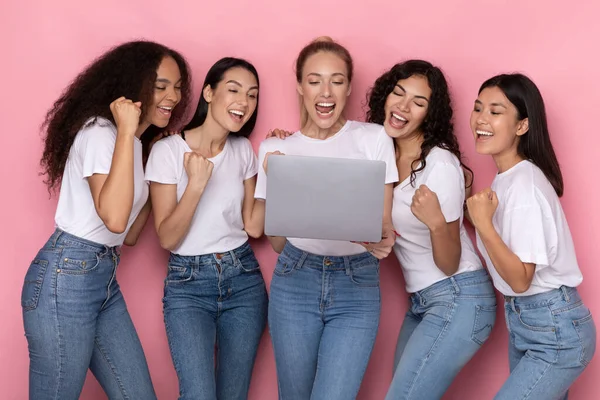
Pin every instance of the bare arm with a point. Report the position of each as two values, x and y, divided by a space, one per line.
113 193
138 225
253 210
172 219
445 241
445 236
516 273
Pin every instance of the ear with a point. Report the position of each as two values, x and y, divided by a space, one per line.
207 92
349 90
299 89
523 127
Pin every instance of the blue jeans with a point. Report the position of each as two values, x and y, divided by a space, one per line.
443 329
215 299
75 318
323 319
552 340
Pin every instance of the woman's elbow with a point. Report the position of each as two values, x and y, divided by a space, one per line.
254 232
115 225
520 287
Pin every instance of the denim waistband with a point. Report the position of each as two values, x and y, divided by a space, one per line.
327 262
232 256
454 282
563 293
61 238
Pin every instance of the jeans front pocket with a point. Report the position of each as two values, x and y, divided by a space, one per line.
178 274
285 265
78 261
586 331
32 285
485 317
365 276
249 263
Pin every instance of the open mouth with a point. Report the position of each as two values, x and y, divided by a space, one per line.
237 115
397 121
325 109
165 110
481 134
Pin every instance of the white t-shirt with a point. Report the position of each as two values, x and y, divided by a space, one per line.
356 140
217 225
444 176
531 222
92 153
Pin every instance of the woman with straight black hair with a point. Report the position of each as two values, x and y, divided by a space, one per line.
525 240
202 188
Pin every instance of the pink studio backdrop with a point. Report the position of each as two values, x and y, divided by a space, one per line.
47 43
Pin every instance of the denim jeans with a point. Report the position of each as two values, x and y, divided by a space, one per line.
443 329
323 319
75 318
552 340
215 300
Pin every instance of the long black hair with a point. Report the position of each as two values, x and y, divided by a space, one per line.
535 144
437 127
213 78
126 70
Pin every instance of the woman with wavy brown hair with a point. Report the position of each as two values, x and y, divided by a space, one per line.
98 135
452 303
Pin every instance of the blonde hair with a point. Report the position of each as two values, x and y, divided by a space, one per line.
320 44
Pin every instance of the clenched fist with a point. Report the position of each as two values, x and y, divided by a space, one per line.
198 169
482 207
126 114
426 207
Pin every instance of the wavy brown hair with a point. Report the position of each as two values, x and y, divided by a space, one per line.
126 70
437 127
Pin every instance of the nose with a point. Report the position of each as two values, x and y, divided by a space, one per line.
173 94
404 104
326 92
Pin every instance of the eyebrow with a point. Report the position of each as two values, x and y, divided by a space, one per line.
334 74
240 85
418 97
165 80
492 104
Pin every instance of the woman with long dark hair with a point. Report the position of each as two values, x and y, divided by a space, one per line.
202 188
525 240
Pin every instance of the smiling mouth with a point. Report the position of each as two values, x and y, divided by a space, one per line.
237 115
483 134
165 110
397 121
325 108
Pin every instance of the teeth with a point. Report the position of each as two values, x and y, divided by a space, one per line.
166 108
237 112
326 104
484 133
399 117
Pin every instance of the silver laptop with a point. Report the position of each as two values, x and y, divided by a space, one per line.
325 198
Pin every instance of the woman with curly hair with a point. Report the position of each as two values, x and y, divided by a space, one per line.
97 139
452 302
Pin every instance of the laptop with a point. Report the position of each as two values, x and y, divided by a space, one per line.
325 198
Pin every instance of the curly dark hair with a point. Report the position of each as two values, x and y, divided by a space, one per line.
437 127
126 70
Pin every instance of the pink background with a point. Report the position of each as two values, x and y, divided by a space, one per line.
45 44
